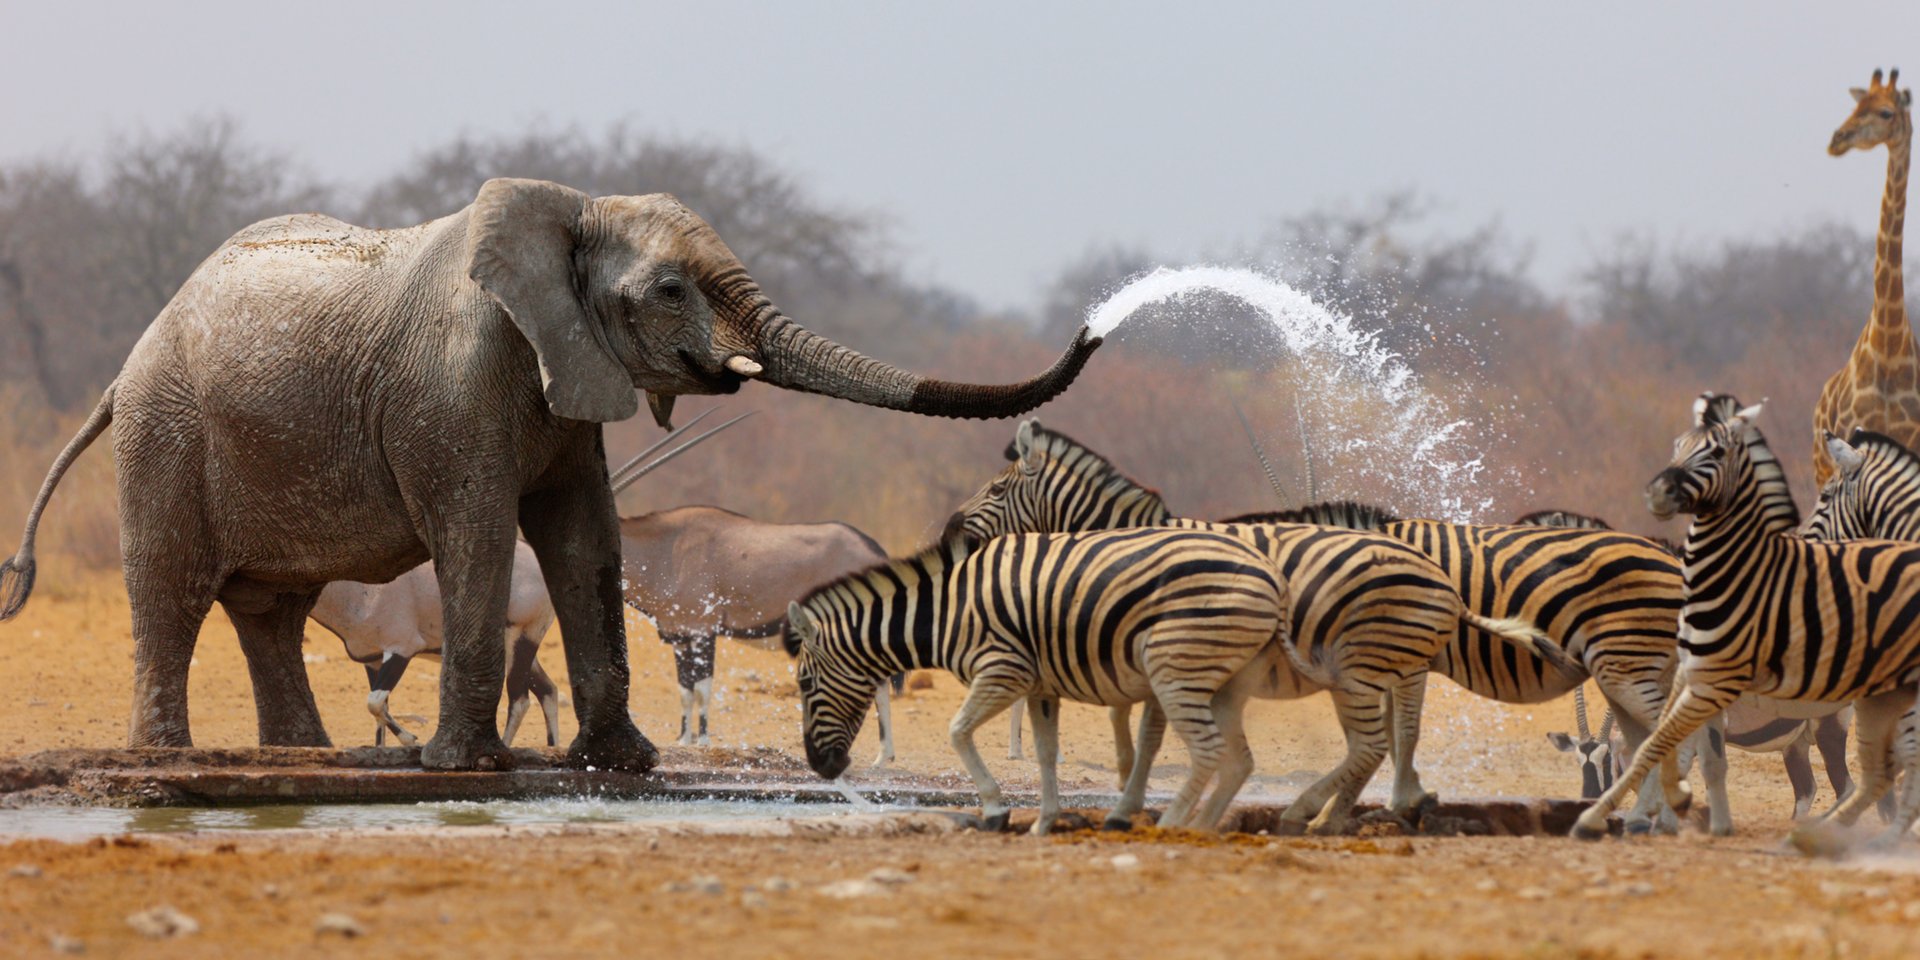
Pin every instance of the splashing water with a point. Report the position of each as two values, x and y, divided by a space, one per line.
1364 401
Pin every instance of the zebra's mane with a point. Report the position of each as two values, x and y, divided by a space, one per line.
1893 450
1329 513
1716 409
1562 518
1085 463
886 576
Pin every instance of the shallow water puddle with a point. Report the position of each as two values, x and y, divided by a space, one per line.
79 823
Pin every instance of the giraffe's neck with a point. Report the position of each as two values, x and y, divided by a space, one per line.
1889 323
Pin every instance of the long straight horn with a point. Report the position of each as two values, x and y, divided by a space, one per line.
1606 726
1306 446
1286 496
663 441
660 461
1580 711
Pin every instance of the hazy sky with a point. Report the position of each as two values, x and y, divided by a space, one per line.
1002 139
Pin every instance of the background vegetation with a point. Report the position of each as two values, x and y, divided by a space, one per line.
1576 392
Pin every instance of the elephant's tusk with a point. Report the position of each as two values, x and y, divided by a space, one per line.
743 365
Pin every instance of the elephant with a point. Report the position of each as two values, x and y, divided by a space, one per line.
323 402
701 572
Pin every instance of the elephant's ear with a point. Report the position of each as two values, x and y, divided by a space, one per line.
520 243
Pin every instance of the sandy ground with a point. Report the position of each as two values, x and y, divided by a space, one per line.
68 660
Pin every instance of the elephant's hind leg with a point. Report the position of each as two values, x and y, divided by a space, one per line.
169 606
271 630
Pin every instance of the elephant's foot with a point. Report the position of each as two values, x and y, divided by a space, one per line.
295 730
479 749
159 735
615 745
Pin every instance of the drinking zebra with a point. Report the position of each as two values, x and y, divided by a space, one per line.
1772 613
1358 598
1187 618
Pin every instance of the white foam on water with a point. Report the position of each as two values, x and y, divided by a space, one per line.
1372 419
859 803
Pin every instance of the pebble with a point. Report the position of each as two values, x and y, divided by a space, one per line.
1125 861
339 923
26 871
163 922
1488 885
61 943
850 889
709 885
890 876
1640 889
270 890
1532 893
777 885
753 900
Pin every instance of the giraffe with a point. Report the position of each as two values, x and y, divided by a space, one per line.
1880 386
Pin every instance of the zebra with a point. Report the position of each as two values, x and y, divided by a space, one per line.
1875 491
1384 607
1753 724
1770 612
1610 599
1188 619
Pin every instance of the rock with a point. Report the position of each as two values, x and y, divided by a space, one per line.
270 890
163 923
1532 893
61 943
25 871
777 885
1640 888
710 885
753 900
852 889
890 876
1125 861
1488 885
339 924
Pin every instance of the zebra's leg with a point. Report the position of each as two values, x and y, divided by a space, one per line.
1713 765
1363 716
1133 797
1122 718
1190 714
1906 752
1013 731
1045 714
883 715
1236 763
988 695
382 682
1404 704
1683 716
1798 759
1873 728
1636 709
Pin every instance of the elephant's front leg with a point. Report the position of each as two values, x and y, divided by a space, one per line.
575 532
473 563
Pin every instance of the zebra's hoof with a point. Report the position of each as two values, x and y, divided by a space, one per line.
996 823
1117 825
1639 828
1583 832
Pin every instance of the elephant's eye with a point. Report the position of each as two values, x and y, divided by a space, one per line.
671 290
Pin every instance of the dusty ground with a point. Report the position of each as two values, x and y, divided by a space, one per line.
69 667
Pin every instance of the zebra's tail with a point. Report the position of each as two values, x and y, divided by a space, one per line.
1526 634
1302 664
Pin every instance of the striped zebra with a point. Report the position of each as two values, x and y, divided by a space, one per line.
1772 613
1610 599
1875 491
1186 618
1369 604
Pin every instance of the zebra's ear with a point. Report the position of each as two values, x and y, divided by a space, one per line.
1750 414
1026 447
1844 455
800 626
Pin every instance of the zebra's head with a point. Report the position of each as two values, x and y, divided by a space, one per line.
1053 484
1705 466
1875 491
834 696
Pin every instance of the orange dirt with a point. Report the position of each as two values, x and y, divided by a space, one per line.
68 660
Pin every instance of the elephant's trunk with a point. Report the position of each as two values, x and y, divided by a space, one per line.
794 357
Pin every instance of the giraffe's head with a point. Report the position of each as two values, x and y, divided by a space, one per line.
1879 115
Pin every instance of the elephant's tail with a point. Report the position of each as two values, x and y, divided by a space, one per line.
16 574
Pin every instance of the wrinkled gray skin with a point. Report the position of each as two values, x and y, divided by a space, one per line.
702 572
324 402
385 625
